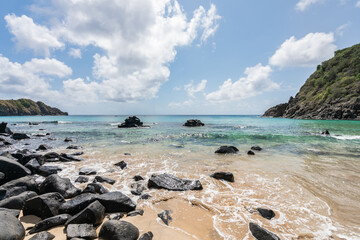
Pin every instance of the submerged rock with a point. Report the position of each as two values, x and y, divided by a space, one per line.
165 216
43 147
51 222
261 233
118 230
43 206
86 231
226 150
131 122
266 213
12 170
43 236
170 182
68 140
227 176
93 214
46 171
54 183
193 123
73 147
11 227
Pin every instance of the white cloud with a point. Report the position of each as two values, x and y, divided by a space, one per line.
191 89
302 5
183 104
340 30
79 91
358 4
257 81
29 35
307 51
75 52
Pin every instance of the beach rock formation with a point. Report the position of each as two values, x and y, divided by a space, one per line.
118 230
4 128
261 233
172 183
92 214
331 92
12 170
83 231
54 183
227 150
147 236
17 186
104 179
19 136
43 206
193 123
266 213
250 152
14 212
121 164
95 188
10 227
26 107
18 201
131 122
51 222
87 171
227 176
165 216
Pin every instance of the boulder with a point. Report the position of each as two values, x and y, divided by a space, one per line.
145 196
2 176
82 179
43 236
46 171
4 128
92 214
11 227
43 147
69 158
54 183
77 153
17 202
104 179
96 188
19 136
227 176
68 140
73 147
49 223
33 165
77 204
172 183
12 170
52 157
18 186
118 230
147 236
193 123
256 148
14 212
266 213
326 132
131 122
87 171
135 213
44 206
121 164
86 231
165 216
116 216
250 152
260 233
226 150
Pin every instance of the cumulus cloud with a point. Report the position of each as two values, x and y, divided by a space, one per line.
307 51
302 5
29 35
358 4
256 82
79 91
31 78
191 89
75 52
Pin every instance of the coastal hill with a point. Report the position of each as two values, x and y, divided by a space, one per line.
27 107
331 92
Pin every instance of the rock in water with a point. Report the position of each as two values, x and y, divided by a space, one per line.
226 150
261 234
227 176
147 236
12 170
170 182
131 122
165 216
256 148
138 178
86 231
104 179
118 230
10 227
250 152
92 214
266 213
51 222
54 183
4 128
19 136
87 171
121 164
193 123
43 236
44 206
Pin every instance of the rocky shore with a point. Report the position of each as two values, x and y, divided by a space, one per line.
30 188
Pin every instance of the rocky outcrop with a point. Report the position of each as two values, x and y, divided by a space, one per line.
43 206
131 122
12 170
27 107
11 227
54 183
193 123
170 182
331 92
227 150
92 214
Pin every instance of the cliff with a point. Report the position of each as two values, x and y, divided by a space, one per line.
27 107
331 92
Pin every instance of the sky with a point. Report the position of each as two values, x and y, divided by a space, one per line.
124 57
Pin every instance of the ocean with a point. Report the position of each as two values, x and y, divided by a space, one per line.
310 180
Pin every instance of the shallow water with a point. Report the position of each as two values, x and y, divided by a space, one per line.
311 181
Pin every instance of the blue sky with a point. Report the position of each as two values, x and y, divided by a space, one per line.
168 56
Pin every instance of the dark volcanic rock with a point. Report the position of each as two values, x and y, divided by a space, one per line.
170 182
43 236
138 188
14 212
135 213
82 179
33 165
165 216
118 230
147 236
227 176
51 222
121 164
193 123
104 179
4 128
145 196
115 216
138 178
326 132
266 213
68 140
17 202
92 214
73 147
43 206
87 171
86 231
54 183
78 203
226 150
11 227
19 136
69 158
46 171
131 122
95 188
260 233
43 147
18 186
256 148
250 152
12 170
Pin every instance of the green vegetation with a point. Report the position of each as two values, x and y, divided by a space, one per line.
23 107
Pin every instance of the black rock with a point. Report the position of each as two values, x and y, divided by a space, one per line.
87 171
17 186
227 176
51 222
2 176
69 158
44 206
33 165
127 154
145 196
104 179
95 188
256 148
147 236
43 236
17 202
138 178
86 231
118 230
266 213
116 216
52 155
33 123
121 164
227 150
11 192
43 147
165 216
77 204
11 227
14 212
54 183
326 132
82 179
135 213
170 182
46 171
138 189
250 152
193 123
19 136
73 147
4 128
12 170
77 153
92 214
260 233
67 140
131 122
